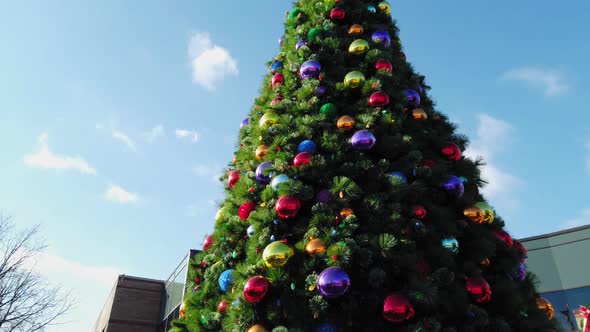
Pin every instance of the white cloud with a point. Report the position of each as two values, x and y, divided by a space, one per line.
552 82
191 135
124 138
153 134
210 63
120 195
580 220
44 158
492 135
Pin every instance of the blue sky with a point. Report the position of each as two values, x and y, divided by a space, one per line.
116 117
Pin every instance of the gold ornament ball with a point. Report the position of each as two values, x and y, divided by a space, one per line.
257 328
545 306
356 29
474 214
276 254
358 46
354 79
346 212
407 138
182 310
345 123
268 119
419 114
261 152
385 7
488 211
315 246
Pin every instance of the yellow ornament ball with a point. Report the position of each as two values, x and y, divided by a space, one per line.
345 123
354 79
419 114
474 214
221 213
488 211
268 119
358 46
315 246
182 310
356 29
276 254
384 7
545 306
261 151
257 328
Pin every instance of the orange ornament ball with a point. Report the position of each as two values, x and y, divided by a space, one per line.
182 310
315 246
346 212
419 114
345 123
262 151
546 307
257 328
356 29
474 214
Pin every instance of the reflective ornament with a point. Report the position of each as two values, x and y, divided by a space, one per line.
274 103
487 210
344 213
300 44
276 65
345 123
354 79
397 308
182 310
222 306
520 249
454 186
371 9
251 230
256 289
277 180
294 13
281 40
302 158
478 289
307 146
226 279
384 65
310 69
320 91
326 327
397 178
245 210
276 254
407 138
384 7
412 97
381 37
333 282
451 151
503 236
315 246
419 212
328 110
313 34
546 307
474 214
245 122
287 206
261 152
520 272
257 328
451 244
363 140
260 170
208 242
269 118
379 99
355 29
276 80
337 14
419 114
324 196
221 213
358 46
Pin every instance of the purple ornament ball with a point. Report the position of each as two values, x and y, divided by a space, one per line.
521 272
245 122
320 91
454 186
412 96
260 177
300 44
381 37
281 40
310 68
363 140
324 196
333 282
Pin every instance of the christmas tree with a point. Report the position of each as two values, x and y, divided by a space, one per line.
349 205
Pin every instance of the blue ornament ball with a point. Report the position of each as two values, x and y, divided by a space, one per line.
277 180
381 37
307 146
326 327
451 244
372 9
226 279
398 178
320 91
276 65
245 122
363 140
310 69
260 177
454 186
412 96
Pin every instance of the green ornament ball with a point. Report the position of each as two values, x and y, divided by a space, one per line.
354 79
313 34
294 13
268 119
328 110
276 254
358 46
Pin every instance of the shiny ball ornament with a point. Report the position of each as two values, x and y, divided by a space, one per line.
379 99
313 34
419 114
276 254
356 29
337 14
333 282
371 9
256 289
384 65
244 122
478 289
503 236
208 242
398 178
245 210
384 7
300 44
546 307
261 152
326 327
260 170
354 79
407 138
287 207
310 69
487 210
363 140
328 110
182 310
223 306
307 146
226 279
412 97
454 186
277 180
345 123
451 245
521 250
358 46
320 91
276 80
346 212
315 246
451 151
302 158
268 119
276 65
281 40
381 37
397 308
294 13
419 212
274 103
474 214
324 196
251 230
257 328
520 272
233 178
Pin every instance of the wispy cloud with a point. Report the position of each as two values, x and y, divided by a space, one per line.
124 138
153 134
191 135
210 63
582 219
119 195
551 81
45 158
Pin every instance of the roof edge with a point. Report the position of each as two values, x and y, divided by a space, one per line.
565 231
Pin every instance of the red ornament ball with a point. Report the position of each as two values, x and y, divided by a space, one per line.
277 79
503 236
478 289
378 99
419 212
302 158
233 178
276 100
427 163
451 151
208 242
397 308
245 210
337 14
222 307
384 65
521 250
256 288
287 207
